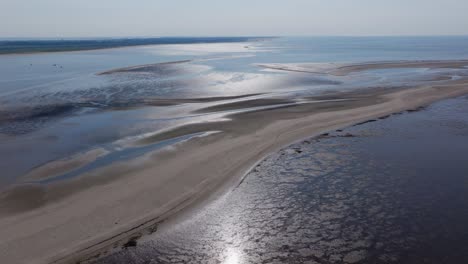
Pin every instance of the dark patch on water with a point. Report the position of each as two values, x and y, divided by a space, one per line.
17 122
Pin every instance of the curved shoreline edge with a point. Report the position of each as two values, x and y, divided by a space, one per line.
93 252
121 203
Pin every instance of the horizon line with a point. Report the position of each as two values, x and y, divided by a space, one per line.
221 36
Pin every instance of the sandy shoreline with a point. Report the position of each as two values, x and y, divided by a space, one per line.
345 69
390 190
83 218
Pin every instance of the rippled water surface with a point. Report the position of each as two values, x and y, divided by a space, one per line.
393 190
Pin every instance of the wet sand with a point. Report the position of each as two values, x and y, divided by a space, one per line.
157 67
54 168
81 218
27 119
345 69
391 190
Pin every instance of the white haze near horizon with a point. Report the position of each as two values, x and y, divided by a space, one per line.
114 18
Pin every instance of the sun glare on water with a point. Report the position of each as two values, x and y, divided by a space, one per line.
232 256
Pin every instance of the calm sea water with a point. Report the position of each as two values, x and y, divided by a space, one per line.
65 71
54 105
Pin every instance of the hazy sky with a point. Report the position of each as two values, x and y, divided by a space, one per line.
92 18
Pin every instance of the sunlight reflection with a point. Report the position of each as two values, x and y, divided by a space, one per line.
233 256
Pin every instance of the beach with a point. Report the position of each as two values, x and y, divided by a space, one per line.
392 190
107 166
107 207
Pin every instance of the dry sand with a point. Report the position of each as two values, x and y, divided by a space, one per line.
84 217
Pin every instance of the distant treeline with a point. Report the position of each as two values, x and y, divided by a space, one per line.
30 46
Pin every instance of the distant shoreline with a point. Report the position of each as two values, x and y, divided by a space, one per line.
43 46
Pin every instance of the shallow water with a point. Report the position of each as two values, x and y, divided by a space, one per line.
393 190
55 105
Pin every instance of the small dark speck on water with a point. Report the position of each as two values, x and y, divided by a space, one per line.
131 243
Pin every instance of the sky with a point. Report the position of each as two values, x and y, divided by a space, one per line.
125 18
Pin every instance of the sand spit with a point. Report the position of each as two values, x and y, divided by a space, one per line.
143 68
86 217
345 69
364 194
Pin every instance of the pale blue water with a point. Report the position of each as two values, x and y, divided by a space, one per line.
17 74
360 49
53 105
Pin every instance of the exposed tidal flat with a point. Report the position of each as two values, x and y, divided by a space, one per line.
98 155
391 190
